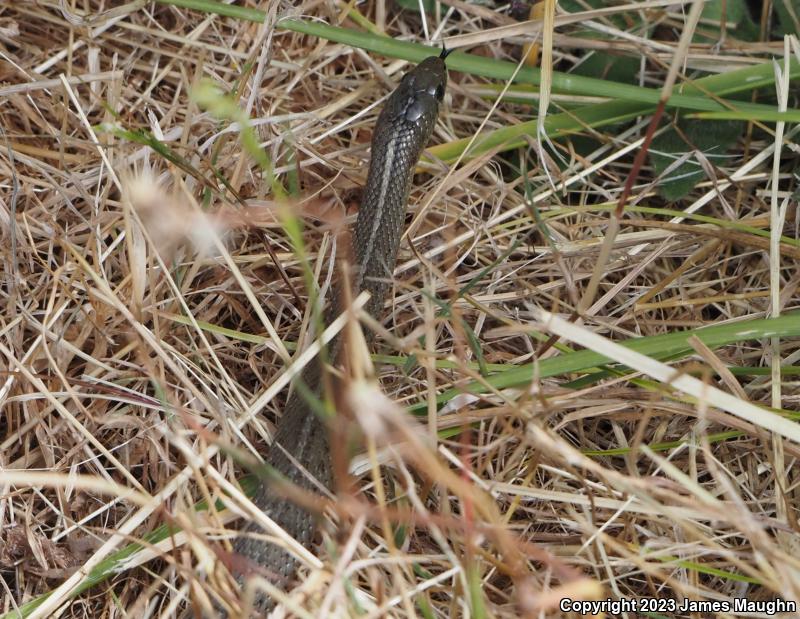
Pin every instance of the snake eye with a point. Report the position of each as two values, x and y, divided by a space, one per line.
439 94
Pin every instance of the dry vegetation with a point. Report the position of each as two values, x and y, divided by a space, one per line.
149 310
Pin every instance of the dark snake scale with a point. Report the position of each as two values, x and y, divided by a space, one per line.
402 131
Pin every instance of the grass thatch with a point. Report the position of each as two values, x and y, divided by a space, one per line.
157 162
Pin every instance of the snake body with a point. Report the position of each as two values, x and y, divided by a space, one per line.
403 129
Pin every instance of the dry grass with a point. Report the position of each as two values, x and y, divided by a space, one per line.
148 313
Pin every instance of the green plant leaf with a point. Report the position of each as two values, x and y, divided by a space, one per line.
713 138
788 22
736 16
429 6
613 67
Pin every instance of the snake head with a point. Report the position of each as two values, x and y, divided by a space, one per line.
423 88
428 77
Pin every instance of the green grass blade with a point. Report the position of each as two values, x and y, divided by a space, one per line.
667 212
218 8
689 98
116 561
657 346
686 97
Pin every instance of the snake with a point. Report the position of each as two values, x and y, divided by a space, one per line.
401 133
